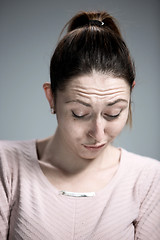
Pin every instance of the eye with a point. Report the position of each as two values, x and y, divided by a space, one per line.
79 115
111 117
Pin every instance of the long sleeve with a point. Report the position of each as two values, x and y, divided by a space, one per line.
8 186
5 195
148 222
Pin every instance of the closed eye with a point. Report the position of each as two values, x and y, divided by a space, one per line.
79 116
111 117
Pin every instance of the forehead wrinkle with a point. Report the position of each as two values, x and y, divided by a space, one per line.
105 98
102 93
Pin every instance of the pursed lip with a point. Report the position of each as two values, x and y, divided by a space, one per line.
94 146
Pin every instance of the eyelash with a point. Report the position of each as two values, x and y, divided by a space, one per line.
112 117
76 116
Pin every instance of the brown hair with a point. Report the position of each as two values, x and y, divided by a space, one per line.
93 42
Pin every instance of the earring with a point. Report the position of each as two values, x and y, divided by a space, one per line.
52 110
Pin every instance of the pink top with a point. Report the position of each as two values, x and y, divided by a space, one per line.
31 208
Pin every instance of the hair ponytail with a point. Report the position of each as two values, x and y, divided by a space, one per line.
84 19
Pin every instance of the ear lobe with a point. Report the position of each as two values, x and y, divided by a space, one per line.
48 93
133 84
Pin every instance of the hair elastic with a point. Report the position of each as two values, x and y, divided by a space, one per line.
96 23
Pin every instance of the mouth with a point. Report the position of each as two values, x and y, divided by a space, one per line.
94 147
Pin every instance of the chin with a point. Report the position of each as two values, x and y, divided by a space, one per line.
90 156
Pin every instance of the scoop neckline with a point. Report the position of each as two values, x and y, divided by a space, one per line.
57 191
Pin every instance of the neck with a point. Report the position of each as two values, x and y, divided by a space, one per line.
55 152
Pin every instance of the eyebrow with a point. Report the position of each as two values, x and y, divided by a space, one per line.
117 101
89 105
79 101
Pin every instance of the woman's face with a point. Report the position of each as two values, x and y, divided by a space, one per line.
91 113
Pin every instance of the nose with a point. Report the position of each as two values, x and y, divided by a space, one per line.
97 129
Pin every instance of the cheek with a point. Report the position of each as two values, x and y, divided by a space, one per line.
114 128
71 129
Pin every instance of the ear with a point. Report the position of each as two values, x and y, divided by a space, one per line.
133 84
48 93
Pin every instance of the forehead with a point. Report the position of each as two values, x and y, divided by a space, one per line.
97 86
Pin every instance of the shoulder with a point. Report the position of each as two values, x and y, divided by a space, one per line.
15 157
143 171
136 161
140 169
15 146
12 151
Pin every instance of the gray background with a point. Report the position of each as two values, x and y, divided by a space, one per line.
29 32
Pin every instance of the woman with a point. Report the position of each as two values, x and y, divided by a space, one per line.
76 184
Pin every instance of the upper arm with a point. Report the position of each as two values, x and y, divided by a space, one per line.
148 221
5 196
4 213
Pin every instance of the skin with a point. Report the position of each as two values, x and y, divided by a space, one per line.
91 112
